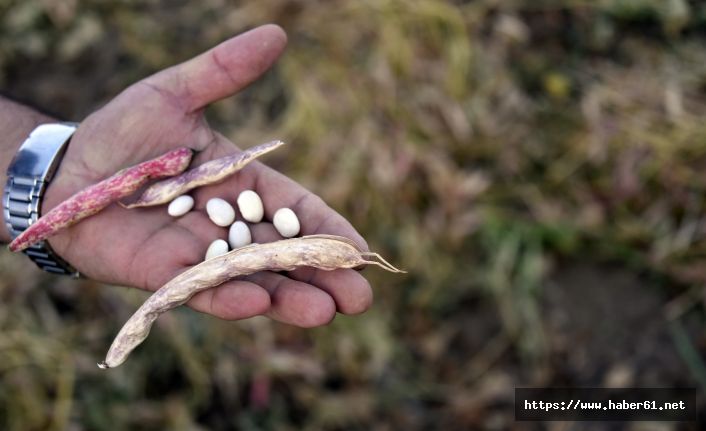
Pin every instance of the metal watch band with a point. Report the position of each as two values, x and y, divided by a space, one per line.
28 175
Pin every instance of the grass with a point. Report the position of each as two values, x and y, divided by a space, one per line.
481 145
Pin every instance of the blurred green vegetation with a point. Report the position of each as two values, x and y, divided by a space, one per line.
487 147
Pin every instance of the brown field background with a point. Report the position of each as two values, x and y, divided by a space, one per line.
537 166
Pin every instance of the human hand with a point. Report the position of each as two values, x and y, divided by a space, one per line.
145 247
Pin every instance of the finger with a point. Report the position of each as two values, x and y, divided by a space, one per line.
349 289
232 300
223 70
294 302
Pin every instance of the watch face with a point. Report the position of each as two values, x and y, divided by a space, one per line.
41 151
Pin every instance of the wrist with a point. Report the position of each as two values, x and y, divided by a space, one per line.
16 123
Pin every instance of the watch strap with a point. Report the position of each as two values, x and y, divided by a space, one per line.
27 178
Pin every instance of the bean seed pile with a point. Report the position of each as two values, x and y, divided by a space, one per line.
326 252
222 214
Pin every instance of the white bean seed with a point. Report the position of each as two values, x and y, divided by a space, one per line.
286 222
217 248
220 212
180 206
250 206
239 235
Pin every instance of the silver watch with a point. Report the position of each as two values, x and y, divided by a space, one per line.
29 173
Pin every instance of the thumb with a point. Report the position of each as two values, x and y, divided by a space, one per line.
223 70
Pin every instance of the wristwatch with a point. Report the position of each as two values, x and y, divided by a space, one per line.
29 173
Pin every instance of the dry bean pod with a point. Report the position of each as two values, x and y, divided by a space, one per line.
210 172
98 196
327 252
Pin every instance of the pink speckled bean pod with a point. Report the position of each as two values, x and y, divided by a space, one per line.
98 196
209 173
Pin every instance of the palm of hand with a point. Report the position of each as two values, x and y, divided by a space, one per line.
146 247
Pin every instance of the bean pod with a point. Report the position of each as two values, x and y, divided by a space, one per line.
92 199
210 172
327 252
